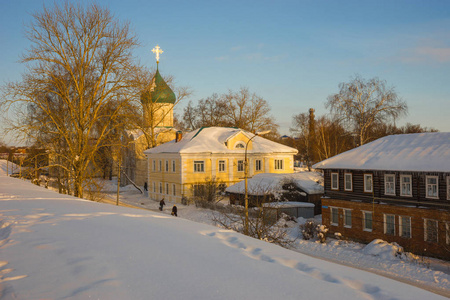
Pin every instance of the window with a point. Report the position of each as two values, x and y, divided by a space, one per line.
154 165
368 183
405 227
448 187
367 220
334 216
389 224
347 218
431 230
334 181
389 184
221 166
432 187
405 185
160 165
167 166
348 185
258 165
199 166
160 188
154 187
173 166
240 166
239 145
167 188
279 164
174 190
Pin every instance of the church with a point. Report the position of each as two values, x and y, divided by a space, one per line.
157 102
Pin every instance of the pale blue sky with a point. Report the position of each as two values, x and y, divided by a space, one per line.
292 53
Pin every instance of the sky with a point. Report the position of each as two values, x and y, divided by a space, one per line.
55 246
294 54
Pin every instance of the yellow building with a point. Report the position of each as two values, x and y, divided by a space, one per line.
178 168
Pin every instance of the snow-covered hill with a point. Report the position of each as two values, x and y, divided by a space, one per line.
54 246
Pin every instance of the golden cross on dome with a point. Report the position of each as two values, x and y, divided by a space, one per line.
158 51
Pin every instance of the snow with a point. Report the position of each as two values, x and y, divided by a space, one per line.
212 140
271 183
55 246
419 152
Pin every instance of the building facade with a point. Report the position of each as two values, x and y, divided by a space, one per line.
181 167
396 188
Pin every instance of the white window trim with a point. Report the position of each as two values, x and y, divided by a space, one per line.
256 165
167 189
385 224
331 216
174 190
345 182
401 185
425 238
160 188
174 168
277 162
426 187
167 165
364 220
154 165
345 215
239 143
385 182
371 187
239 164
224 165
400 227
160 165
337 181
200 163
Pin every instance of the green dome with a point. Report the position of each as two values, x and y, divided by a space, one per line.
160 92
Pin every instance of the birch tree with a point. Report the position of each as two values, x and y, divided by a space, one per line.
76 92
363 103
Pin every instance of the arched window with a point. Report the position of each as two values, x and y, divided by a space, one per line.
239 145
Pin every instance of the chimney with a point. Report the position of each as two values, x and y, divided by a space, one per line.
178 136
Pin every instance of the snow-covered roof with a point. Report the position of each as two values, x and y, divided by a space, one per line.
270 183
423 152
213 140
288 204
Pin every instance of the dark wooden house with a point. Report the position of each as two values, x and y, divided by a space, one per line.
396 188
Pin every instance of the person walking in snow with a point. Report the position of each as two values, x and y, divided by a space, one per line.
174 211
161 204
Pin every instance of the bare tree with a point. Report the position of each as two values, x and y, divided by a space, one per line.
363 103
78 85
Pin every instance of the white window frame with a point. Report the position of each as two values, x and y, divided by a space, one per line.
167 165
391 184
160 165
401 225
385 217
222 165
279 164
334 209
334 181
154 165
402 183
174 164
348 180
258 164
199 166
160 188
174 189
364 221
425 231
366 188
428 185
154 187
347 213
240 165
239 146
448 187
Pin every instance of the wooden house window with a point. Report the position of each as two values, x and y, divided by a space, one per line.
431 230
334 216
405 185
348 218
335 181
348 182
389 224
368 183
279 164
258 165
367 221
405 227
389 184
432 187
